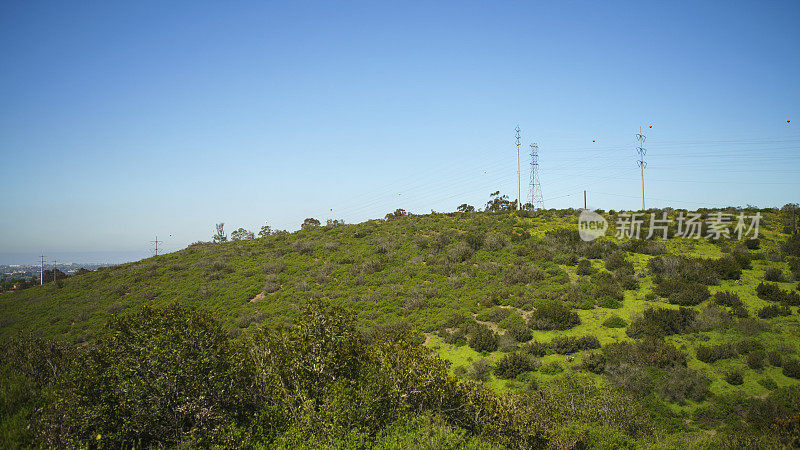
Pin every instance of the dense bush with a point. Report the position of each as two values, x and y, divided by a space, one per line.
523 274
791 368
520 333
568 344
495 314
770 311
726 298
682 383
513 364
773 293
594 362
536 348
716 352
774 274
755 360
553 316
690 294
482 339
615 322
161 376
775 358
734 378
584 267
645 352
661 322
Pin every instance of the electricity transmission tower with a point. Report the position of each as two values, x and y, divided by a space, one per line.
41 272
519 187
642 151
535 187
156 242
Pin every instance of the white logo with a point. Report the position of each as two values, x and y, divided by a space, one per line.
591 225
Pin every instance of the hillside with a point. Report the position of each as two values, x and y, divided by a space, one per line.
518 303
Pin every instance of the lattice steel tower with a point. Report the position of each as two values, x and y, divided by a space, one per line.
535 186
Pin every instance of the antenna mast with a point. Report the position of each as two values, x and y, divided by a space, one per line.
519 187
41 272
642 151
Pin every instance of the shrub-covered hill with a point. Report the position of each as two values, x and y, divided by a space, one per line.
705 334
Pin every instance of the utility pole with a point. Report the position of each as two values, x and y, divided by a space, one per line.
41 271
519 187
584 199
642 151
156 242
536 186
55 265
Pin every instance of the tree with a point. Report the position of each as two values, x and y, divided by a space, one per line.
497 202
465 208
242 235
220 236
396 214
266 230
310 223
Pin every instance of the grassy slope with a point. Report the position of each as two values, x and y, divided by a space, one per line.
386 272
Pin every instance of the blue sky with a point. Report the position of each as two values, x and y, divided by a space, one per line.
123 120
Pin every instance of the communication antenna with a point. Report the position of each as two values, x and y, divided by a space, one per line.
155 243
41 271
642 164
519 187
536 187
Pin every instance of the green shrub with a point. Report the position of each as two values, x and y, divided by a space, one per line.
553 316
791 368
648 352
495 314
734 378
755 360
155 379
513 364
551 368
615 322
716 352
682 383
480 370
773 293
483 339
690 295
536 348
565 345
520 333
585 267
774 274
661 322
770 311
594 362
523 274
768 383
608 302
726 298
775 358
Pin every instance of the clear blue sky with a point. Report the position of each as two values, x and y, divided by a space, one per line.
122 120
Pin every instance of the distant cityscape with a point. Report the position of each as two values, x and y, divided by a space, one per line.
17 271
